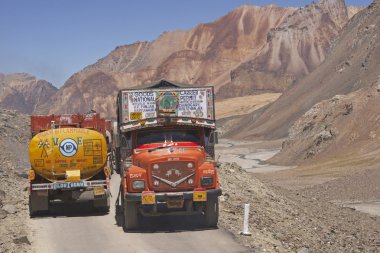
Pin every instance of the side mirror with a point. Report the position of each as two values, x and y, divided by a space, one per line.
213 138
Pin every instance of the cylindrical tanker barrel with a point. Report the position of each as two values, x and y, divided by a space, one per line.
71 154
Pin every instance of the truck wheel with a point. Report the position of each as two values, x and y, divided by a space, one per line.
211 213
38 204
32 213
130 216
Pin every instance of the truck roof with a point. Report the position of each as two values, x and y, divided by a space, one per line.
162 83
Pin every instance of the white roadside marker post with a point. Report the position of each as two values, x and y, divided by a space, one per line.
245 222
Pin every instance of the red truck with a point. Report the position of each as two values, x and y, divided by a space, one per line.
165 153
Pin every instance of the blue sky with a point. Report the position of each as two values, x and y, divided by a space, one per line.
53 39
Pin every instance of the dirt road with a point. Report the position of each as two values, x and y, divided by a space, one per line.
81 231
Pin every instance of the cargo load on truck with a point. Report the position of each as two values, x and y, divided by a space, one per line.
165 152
68 157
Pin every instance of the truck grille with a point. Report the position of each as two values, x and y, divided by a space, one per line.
172 176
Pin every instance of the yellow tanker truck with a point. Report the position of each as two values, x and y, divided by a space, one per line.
68 164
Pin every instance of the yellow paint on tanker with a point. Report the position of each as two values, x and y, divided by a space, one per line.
56 151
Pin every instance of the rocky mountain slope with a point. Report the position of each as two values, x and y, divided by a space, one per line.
211 53
14 229
352 64
335 129
293 49
24 92
332 114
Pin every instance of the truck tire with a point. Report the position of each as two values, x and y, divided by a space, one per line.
102 205
32 212
211 212
37 205
131 221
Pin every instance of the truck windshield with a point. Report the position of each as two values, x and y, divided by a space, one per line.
168 136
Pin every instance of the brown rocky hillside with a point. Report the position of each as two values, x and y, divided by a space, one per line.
24 92
211 54
15 232
353 63
293 49
346 127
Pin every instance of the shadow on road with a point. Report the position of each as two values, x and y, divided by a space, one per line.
165 224
70 210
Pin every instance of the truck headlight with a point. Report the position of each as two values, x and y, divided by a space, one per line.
138 185
207 181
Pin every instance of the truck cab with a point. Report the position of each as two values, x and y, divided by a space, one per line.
165 153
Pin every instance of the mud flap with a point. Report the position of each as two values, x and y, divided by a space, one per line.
119 209
103 203
38 201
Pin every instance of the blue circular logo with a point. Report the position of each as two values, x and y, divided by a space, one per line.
68 147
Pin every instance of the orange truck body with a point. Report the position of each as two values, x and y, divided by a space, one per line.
165 153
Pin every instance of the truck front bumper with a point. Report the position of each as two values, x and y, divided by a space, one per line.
163 196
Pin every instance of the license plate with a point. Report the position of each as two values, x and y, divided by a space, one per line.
175 201
200 196
148 198
68 185
98 190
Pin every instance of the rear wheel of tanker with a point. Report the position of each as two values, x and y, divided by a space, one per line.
102 205
32 212
37 204
130 214
211 212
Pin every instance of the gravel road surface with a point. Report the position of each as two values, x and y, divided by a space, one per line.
73 231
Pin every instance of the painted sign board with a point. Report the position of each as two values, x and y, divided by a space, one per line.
195 103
